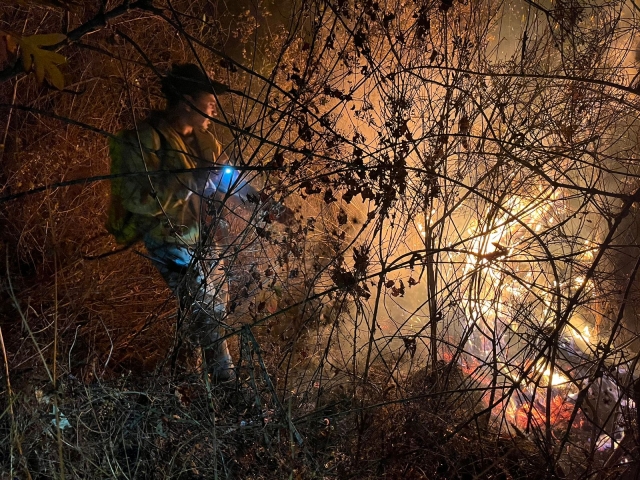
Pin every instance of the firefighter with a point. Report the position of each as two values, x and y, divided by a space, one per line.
162 203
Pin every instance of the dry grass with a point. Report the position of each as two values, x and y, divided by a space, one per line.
95 381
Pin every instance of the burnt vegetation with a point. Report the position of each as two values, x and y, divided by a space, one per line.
456 298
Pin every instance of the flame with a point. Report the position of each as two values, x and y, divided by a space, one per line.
513 300
528 415
500 270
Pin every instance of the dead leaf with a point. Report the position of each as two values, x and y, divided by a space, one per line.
410 345
329 197
45 62
464 125
361 259
8 46
342 217
399 291
184 394
272 305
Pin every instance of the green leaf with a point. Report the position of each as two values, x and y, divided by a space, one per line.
44 62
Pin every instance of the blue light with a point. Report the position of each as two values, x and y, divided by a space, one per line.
229 178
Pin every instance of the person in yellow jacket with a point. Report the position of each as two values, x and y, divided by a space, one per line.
166 171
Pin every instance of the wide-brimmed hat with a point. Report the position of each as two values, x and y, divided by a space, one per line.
188 78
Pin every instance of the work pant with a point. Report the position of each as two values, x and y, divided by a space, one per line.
199 284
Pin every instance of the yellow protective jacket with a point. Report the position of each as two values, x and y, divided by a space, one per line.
163 207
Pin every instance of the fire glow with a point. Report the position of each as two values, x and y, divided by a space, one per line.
495 172
515 305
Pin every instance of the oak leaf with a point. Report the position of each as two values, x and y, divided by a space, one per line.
45 62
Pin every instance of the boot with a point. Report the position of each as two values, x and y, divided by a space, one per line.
219 363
